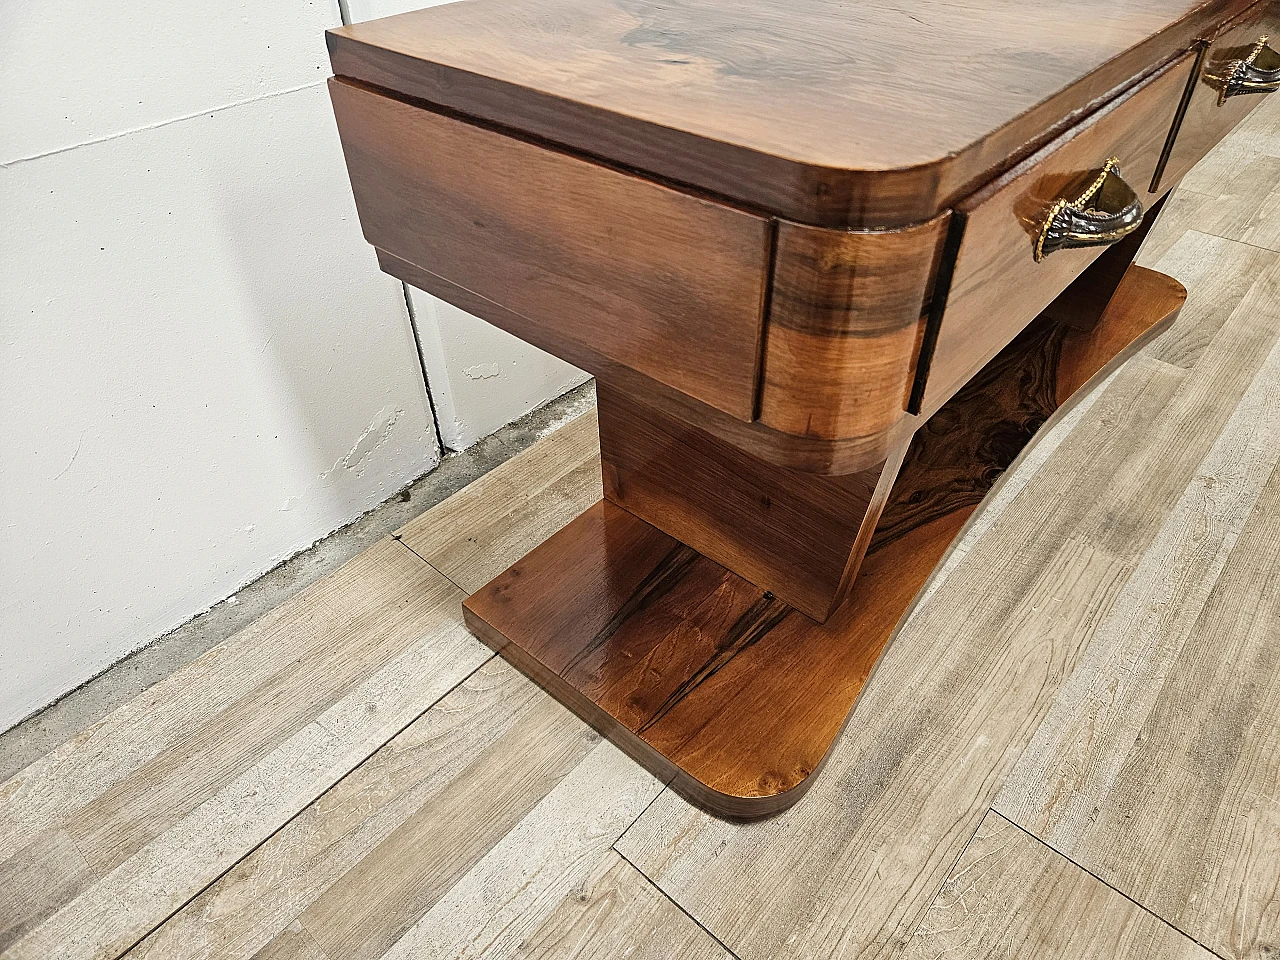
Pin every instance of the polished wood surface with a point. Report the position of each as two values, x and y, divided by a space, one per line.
668 284
871 115
998 286
846 320
714 683
834 457
1208 117
798 535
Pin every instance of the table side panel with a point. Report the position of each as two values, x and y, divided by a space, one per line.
1209 118
998 287
668 284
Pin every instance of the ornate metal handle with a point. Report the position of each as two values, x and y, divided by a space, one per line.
1104 213
1259 72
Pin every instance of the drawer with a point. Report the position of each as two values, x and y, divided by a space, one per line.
596 265
1211 112
998 287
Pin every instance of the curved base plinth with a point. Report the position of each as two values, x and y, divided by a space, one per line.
716 686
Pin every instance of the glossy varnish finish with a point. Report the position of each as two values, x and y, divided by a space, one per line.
495 825
845 324
754 100
1209 116
716 684
794 533
997 286
586 258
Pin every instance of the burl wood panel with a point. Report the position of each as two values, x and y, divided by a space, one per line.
792 533
1208 118
720 687
668 284
845 322
861 115
998 287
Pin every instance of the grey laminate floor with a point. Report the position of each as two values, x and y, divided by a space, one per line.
1071 750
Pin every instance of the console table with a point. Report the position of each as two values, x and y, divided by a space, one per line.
833 266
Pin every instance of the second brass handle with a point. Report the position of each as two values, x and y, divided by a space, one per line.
1259 72
1107 211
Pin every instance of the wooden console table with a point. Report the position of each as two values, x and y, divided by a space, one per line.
833 266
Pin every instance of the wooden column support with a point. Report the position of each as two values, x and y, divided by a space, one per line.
699 648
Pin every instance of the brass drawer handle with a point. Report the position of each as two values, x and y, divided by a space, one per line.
1104 213
1259 72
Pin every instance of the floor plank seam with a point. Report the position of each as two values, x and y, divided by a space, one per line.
1120 893
665 787
951 869
250 851
675 903
1244 243
396 537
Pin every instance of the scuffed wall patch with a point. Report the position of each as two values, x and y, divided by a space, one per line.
482 371
373 437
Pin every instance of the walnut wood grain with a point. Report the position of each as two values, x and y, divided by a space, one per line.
998 287
792 533
845 325
958 454
715 684
839 457
1208 118
869 115
668 284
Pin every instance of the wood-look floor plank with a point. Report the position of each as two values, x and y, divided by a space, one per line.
257 902
489 524
361 915
1115 492
613 911
1180 215
553 886
1201 261
1010 897
339 670
1248 208
349 603
497 800
1257 135
38 880
1162 777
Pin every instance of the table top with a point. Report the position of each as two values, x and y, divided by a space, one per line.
872 113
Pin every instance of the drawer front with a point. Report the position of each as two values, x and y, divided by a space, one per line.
998 287
1210 115
598 266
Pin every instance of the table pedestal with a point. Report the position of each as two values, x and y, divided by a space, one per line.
732 693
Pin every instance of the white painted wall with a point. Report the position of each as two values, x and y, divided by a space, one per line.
481 377
201 369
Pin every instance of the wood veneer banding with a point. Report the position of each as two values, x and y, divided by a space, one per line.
845 325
